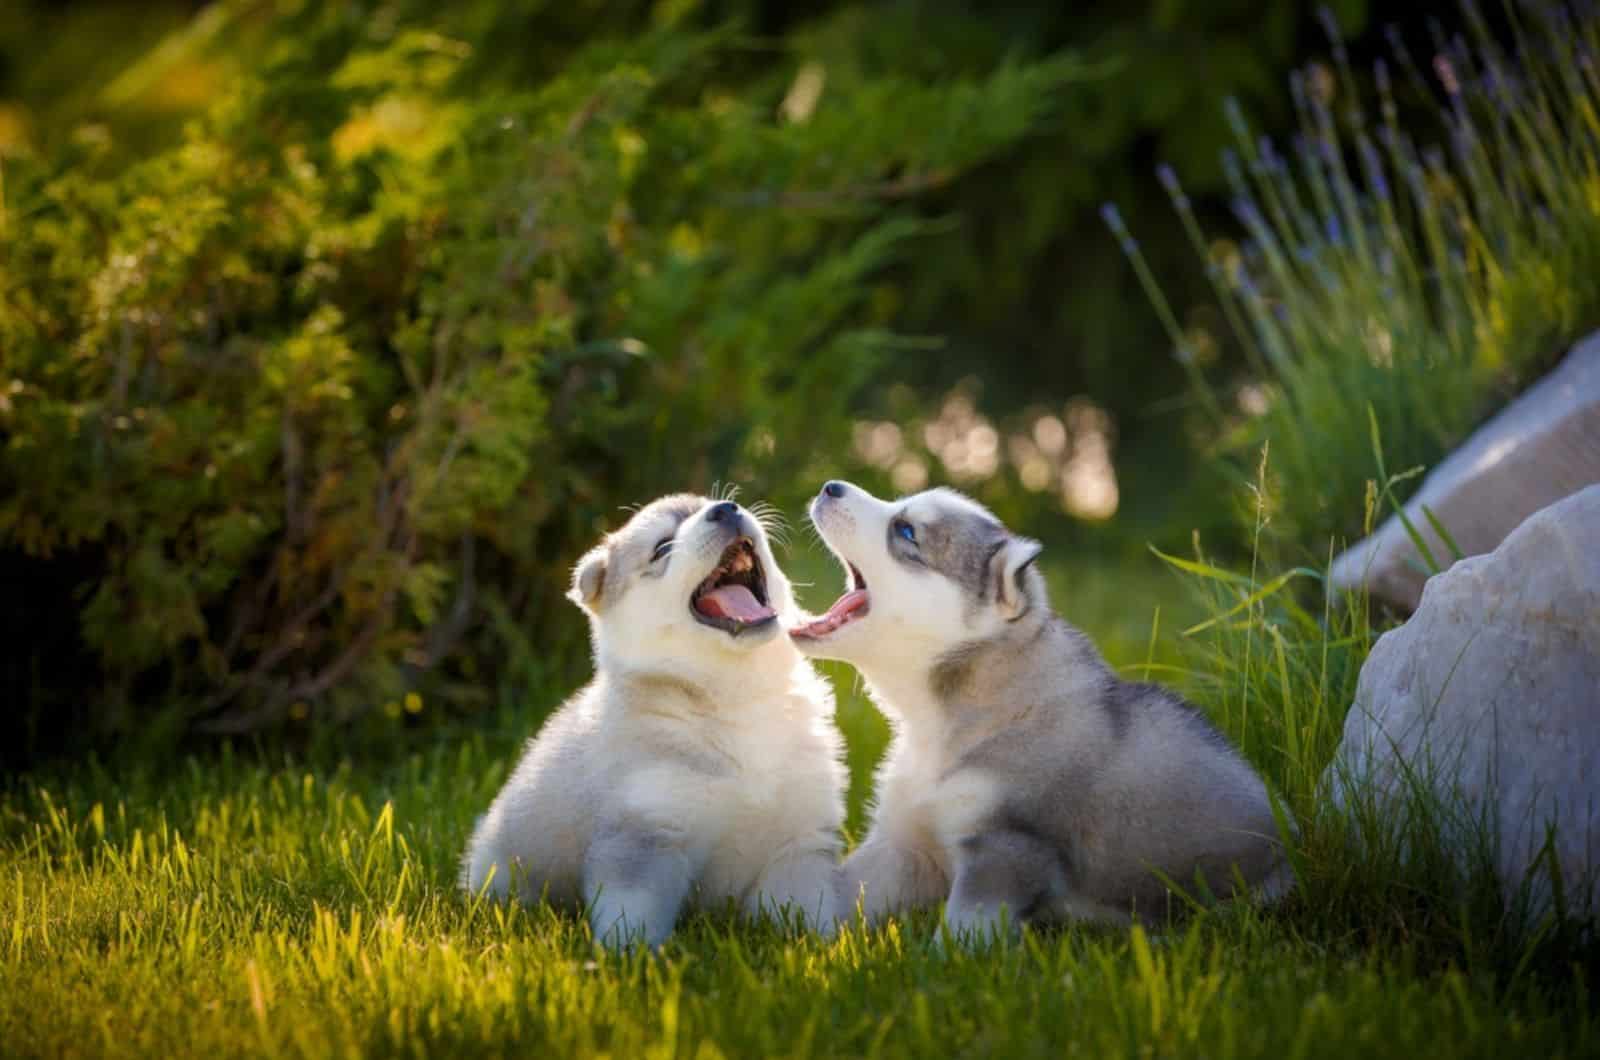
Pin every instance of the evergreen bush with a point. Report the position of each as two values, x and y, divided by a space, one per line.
311 412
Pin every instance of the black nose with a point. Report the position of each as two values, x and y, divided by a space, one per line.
723 512
834 489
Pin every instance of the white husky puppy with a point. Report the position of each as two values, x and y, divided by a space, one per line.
701 763
1023 774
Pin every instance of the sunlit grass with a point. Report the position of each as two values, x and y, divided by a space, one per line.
240 907
261 904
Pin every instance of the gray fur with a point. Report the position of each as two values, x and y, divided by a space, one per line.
1004 869
639 876
1024 772
958 543
1127 775
628 550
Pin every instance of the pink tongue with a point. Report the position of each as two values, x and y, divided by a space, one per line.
848 604
837 615
733 601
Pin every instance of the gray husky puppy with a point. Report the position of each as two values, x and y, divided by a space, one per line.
701 763
1023 774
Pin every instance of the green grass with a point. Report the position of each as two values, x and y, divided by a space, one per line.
268 904
240 907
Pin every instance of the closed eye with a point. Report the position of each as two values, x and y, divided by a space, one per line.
905 531
662 548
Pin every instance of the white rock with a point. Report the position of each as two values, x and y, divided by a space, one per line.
1490 696
1544 446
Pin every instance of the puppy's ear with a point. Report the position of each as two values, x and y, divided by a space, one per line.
588 579
1008 571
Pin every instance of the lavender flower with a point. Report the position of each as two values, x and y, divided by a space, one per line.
1248 213
1374 167
1417 181
1231 170
1169 180
1330 26
1235 116
1113 219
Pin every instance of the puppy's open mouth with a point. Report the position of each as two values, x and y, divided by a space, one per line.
853 605
733 597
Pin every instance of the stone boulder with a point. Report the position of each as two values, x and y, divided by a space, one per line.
1544 446
1490 696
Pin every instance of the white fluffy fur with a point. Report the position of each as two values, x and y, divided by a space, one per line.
903 862
696 767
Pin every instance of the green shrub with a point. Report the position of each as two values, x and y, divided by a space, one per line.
354 371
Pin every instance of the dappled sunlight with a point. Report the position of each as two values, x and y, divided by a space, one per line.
1067 453
1088 481
963 439
804 93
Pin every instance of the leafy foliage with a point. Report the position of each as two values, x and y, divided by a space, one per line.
1385 274
363 361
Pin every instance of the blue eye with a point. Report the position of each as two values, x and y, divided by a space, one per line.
903 529
661 549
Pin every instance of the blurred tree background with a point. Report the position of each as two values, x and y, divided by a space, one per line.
331 333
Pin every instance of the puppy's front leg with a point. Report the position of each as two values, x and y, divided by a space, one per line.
998 871
886 877
636 877
802 880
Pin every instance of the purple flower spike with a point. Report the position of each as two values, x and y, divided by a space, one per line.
1230 168
1391 33
1235 115
1330 24
1248 213
1418 183
1169 180
1369 158
1113 219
